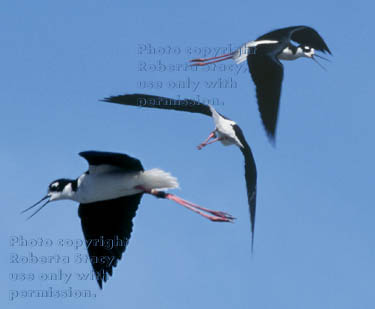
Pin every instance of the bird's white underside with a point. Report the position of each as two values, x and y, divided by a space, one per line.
94 187
240 55
224 129
287 54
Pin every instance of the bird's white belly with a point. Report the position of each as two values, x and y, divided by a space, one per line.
94 188
226 140
226 133
224 129
287 54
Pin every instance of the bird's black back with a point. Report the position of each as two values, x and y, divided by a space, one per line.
115 159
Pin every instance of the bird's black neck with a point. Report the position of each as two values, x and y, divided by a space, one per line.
293 48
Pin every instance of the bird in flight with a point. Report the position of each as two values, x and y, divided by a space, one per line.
226 131
109 194
263 57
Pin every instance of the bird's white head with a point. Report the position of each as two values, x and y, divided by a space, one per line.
309 52
305 51
60 189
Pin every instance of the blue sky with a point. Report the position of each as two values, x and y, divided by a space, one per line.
314 237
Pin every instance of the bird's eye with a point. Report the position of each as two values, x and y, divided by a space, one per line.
54 186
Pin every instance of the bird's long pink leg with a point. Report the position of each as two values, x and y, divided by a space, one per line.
221 215
213 141
217 216
201 63
212 135
208 143
212 58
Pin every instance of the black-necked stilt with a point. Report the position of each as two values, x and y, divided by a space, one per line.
109 194
226 131
263 58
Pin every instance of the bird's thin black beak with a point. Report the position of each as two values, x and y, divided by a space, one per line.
312 57
321 57
44 198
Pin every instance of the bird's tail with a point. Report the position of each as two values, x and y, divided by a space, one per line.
240 55
158 179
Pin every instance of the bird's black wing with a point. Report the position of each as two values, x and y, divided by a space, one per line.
111 160
145 100
308 36
301 34
278 34
250 176
107 226
267 73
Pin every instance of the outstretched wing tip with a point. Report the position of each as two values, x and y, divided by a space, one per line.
83 154
272 138
160 102
252 242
